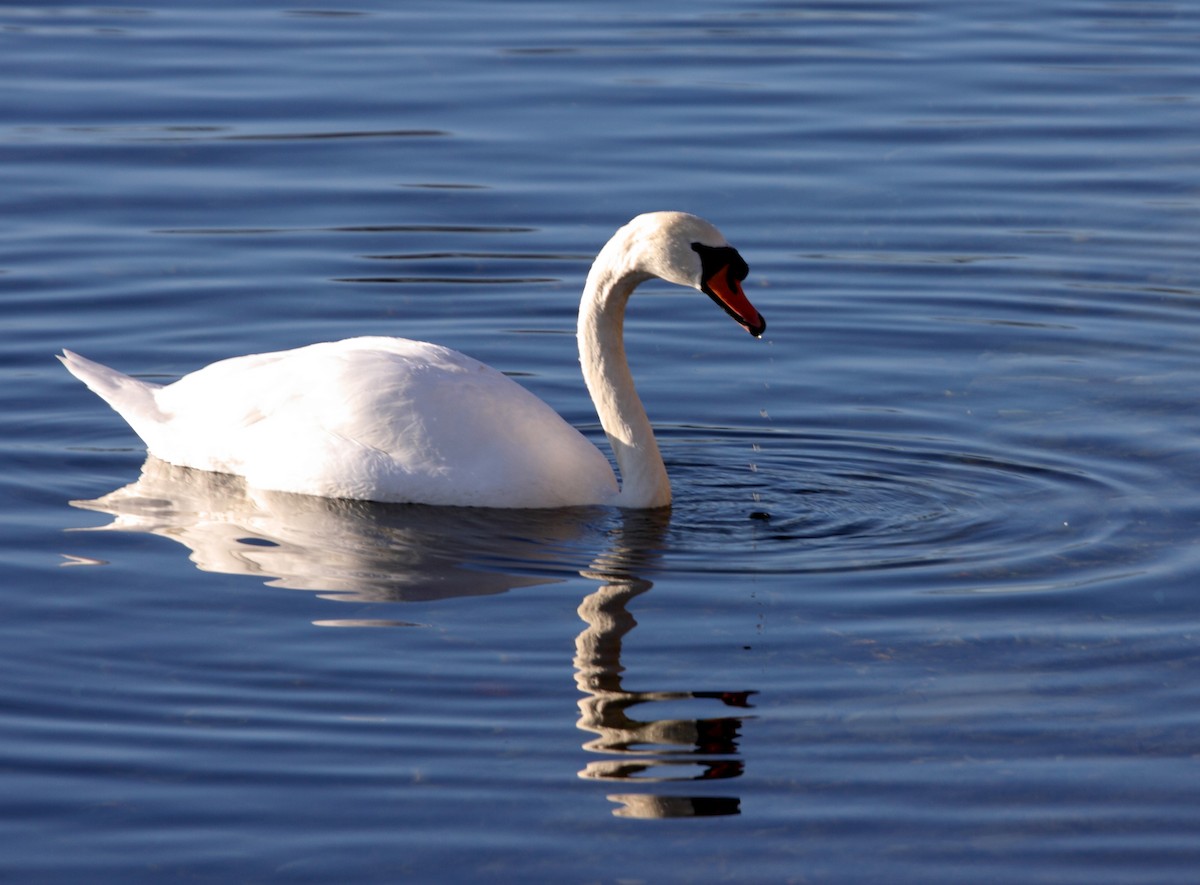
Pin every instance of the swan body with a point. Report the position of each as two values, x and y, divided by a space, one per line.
382 419
388 419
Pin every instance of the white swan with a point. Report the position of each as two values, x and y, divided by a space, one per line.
388 419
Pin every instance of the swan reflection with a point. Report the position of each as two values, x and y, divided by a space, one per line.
357 551
349 550
643 749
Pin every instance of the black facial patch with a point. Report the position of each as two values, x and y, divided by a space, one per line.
714 258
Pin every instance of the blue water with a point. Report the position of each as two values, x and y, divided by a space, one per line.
926 608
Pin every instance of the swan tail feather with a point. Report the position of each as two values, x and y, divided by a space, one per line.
133 400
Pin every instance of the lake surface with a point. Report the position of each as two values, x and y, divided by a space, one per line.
927 606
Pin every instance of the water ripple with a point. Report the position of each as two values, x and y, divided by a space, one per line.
966 517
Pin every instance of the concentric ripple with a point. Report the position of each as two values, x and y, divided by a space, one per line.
969 517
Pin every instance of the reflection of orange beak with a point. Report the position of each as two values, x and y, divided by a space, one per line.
727 292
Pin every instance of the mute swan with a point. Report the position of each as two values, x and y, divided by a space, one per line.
388 419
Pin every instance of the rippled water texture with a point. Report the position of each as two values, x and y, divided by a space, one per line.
925 609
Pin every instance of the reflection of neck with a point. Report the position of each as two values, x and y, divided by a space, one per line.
643 749
604 708
644 480
598 648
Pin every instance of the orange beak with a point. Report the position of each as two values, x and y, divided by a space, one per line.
724 289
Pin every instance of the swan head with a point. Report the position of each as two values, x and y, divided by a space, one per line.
689 251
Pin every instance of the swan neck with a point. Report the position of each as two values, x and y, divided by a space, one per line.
644 481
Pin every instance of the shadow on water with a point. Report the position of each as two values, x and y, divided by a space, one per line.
364 552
